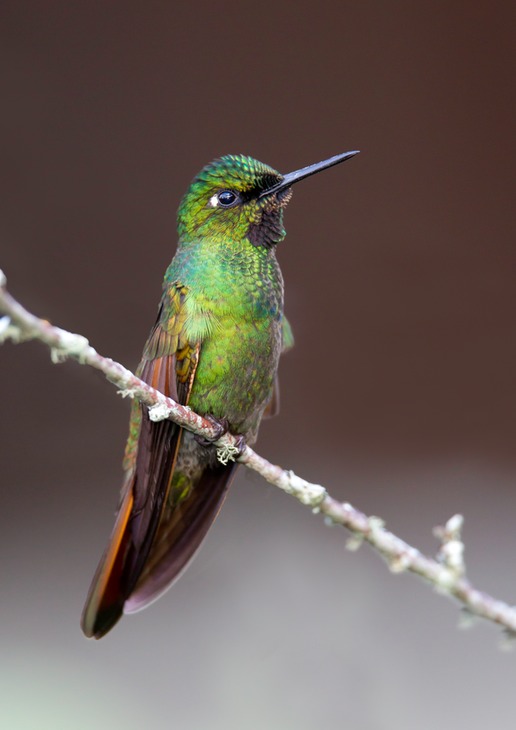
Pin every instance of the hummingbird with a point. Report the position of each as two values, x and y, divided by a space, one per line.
215 346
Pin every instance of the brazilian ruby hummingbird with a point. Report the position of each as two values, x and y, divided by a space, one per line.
215 346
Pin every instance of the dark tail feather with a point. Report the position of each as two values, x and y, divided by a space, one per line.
105 602
137 520
180 534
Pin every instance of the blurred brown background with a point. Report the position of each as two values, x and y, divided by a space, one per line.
399 270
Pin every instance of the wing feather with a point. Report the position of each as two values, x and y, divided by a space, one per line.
151 454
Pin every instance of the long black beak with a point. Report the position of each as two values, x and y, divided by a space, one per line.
294 177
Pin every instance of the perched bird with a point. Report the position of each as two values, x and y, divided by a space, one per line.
215 346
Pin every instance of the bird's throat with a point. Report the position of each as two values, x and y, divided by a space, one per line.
269 231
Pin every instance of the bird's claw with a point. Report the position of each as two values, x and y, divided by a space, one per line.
240 444
227 452
220 424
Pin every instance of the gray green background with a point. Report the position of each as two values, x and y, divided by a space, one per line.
399 270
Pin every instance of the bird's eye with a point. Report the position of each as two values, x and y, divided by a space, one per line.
227 198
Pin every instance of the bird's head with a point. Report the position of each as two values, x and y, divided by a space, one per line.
236 197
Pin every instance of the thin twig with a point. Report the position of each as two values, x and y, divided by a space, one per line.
446 572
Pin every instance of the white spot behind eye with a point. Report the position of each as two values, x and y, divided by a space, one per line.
214 201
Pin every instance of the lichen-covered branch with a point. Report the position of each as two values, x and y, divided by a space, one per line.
446 572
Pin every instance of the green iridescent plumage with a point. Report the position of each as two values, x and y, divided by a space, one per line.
215 346
221 290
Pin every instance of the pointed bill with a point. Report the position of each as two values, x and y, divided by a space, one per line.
293 177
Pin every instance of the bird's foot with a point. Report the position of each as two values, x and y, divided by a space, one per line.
227 452
221 426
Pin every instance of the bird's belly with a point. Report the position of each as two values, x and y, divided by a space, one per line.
235 374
